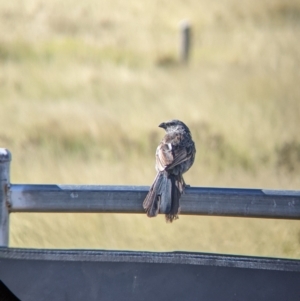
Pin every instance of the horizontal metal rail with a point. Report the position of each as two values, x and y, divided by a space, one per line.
128 199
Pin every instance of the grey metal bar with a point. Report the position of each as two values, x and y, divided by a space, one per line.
5 158
76 198
128 199
177 257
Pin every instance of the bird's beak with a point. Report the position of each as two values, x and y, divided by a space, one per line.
162 125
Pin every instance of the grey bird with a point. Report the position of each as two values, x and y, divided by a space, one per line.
174 156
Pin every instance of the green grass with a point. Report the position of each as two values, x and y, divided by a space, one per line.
83 87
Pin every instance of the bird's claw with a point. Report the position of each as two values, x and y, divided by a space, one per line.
185 186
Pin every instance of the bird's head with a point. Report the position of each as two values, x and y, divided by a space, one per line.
174 125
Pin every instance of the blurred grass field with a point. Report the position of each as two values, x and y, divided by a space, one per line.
83 86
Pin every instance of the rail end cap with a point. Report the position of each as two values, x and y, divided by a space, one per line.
5 155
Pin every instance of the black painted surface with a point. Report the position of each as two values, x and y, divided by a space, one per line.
6 294
135 276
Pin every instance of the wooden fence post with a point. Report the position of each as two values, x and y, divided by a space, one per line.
5 158
185 41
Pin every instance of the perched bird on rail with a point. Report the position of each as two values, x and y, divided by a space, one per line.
174 156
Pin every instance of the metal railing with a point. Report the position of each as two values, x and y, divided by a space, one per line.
262 203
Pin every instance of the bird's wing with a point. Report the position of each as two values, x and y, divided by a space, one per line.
180 155
171 153
164 156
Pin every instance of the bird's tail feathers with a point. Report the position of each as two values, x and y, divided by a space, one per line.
164 196
176 192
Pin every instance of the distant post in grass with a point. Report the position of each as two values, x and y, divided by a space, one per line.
185 41
5 158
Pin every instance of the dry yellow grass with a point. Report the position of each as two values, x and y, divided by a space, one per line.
84 85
